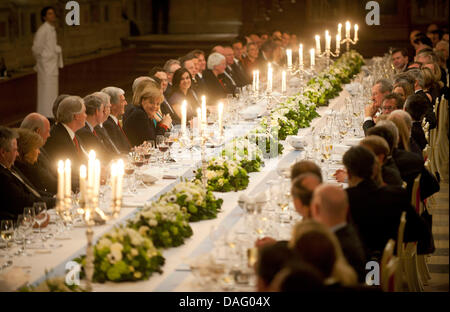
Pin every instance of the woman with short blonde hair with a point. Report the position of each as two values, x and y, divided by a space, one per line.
143 123
404 133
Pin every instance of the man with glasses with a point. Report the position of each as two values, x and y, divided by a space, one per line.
170 67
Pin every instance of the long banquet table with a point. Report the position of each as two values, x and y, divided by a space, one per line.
176 275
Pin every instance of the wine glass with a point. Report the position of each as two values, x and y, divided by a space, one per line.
23 227
162 146
6 232
40 217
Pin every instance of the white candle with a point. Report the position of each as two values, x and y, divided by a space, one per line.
283 82
199 121
312 57
327 41
113 181
338 42
269 78
340 30
289 57
318 44
83 174
96 178
356 32
67 178
347 29
60 194
204 121
120 173
254 81
300 55
183 117
91 163
257 81
220 112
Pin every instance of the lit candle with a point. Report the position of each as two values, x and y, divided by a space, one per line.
257 81
300 55
60 194
220 112
347 29
120 173
183 117
96 178
204 121
356 32
289 57
83 175
327 41
67 178
199 121
340 30
269 78
318 44
91 163
283 82
338 42
113 180
312 56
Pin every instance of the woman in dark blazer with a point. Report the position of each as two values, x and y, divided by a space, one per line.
143 122
181 90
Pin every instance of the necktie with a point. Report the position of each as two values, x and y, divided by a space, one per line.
77 145
95 133
29 187
221 82
120 127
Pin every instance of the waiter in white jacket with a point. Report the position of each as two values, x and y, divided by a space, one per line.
48 55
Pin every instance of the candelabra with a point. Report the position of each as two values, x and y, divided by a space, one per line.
349 41
328 54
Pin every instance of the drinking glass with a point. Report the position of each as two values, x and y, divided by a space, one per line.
162 146
6 232
23 227
40 217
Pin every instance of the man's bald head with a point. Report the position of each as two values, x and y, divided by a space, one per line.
329 205
37 123
218 49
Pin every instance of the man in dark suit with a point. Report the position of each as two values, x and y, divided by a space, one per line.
430 116
375 211
233 70
88 134
63 142
380 89
43 168
17 191
416 106
400 59
101 131
112 124
170 67
330 207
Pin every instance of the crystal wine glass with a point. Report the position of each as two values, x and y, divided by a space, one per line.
6 232
40 217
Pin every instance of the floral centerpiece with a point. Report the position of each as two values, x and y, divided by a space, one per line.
124 254
224 175
199 203
245 152
268 143
164 222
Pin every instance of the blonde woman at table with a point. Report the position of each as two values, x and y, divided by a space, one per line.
142 123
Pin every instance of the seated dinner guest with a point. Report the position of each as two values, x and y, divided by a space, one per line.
63 142
142 124
305 166
330 207
91 140
45 171
28 145
375 211
112 124
181 91
302 190
101 131
166 108
20 192
216 86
